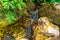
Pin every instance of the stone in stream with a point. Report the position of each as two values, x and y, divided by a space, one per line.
45 30
51 11
8 37
57 5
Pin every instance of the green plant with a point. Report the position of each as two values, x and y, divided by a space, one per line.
50 1
31 0
10 16
9 9
12 4
44 1
38 1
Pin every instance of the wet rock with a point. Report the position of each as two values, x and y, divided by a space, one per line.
45 30
24 20
51 12
51 28
8 37
57 5
13 30
28 32
31 6
19 33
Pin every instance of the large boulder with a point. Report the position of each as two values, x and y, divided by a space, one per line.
45 30
51 11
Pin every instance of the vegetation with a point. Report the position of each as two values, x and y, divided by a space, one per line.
12 4
8 6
